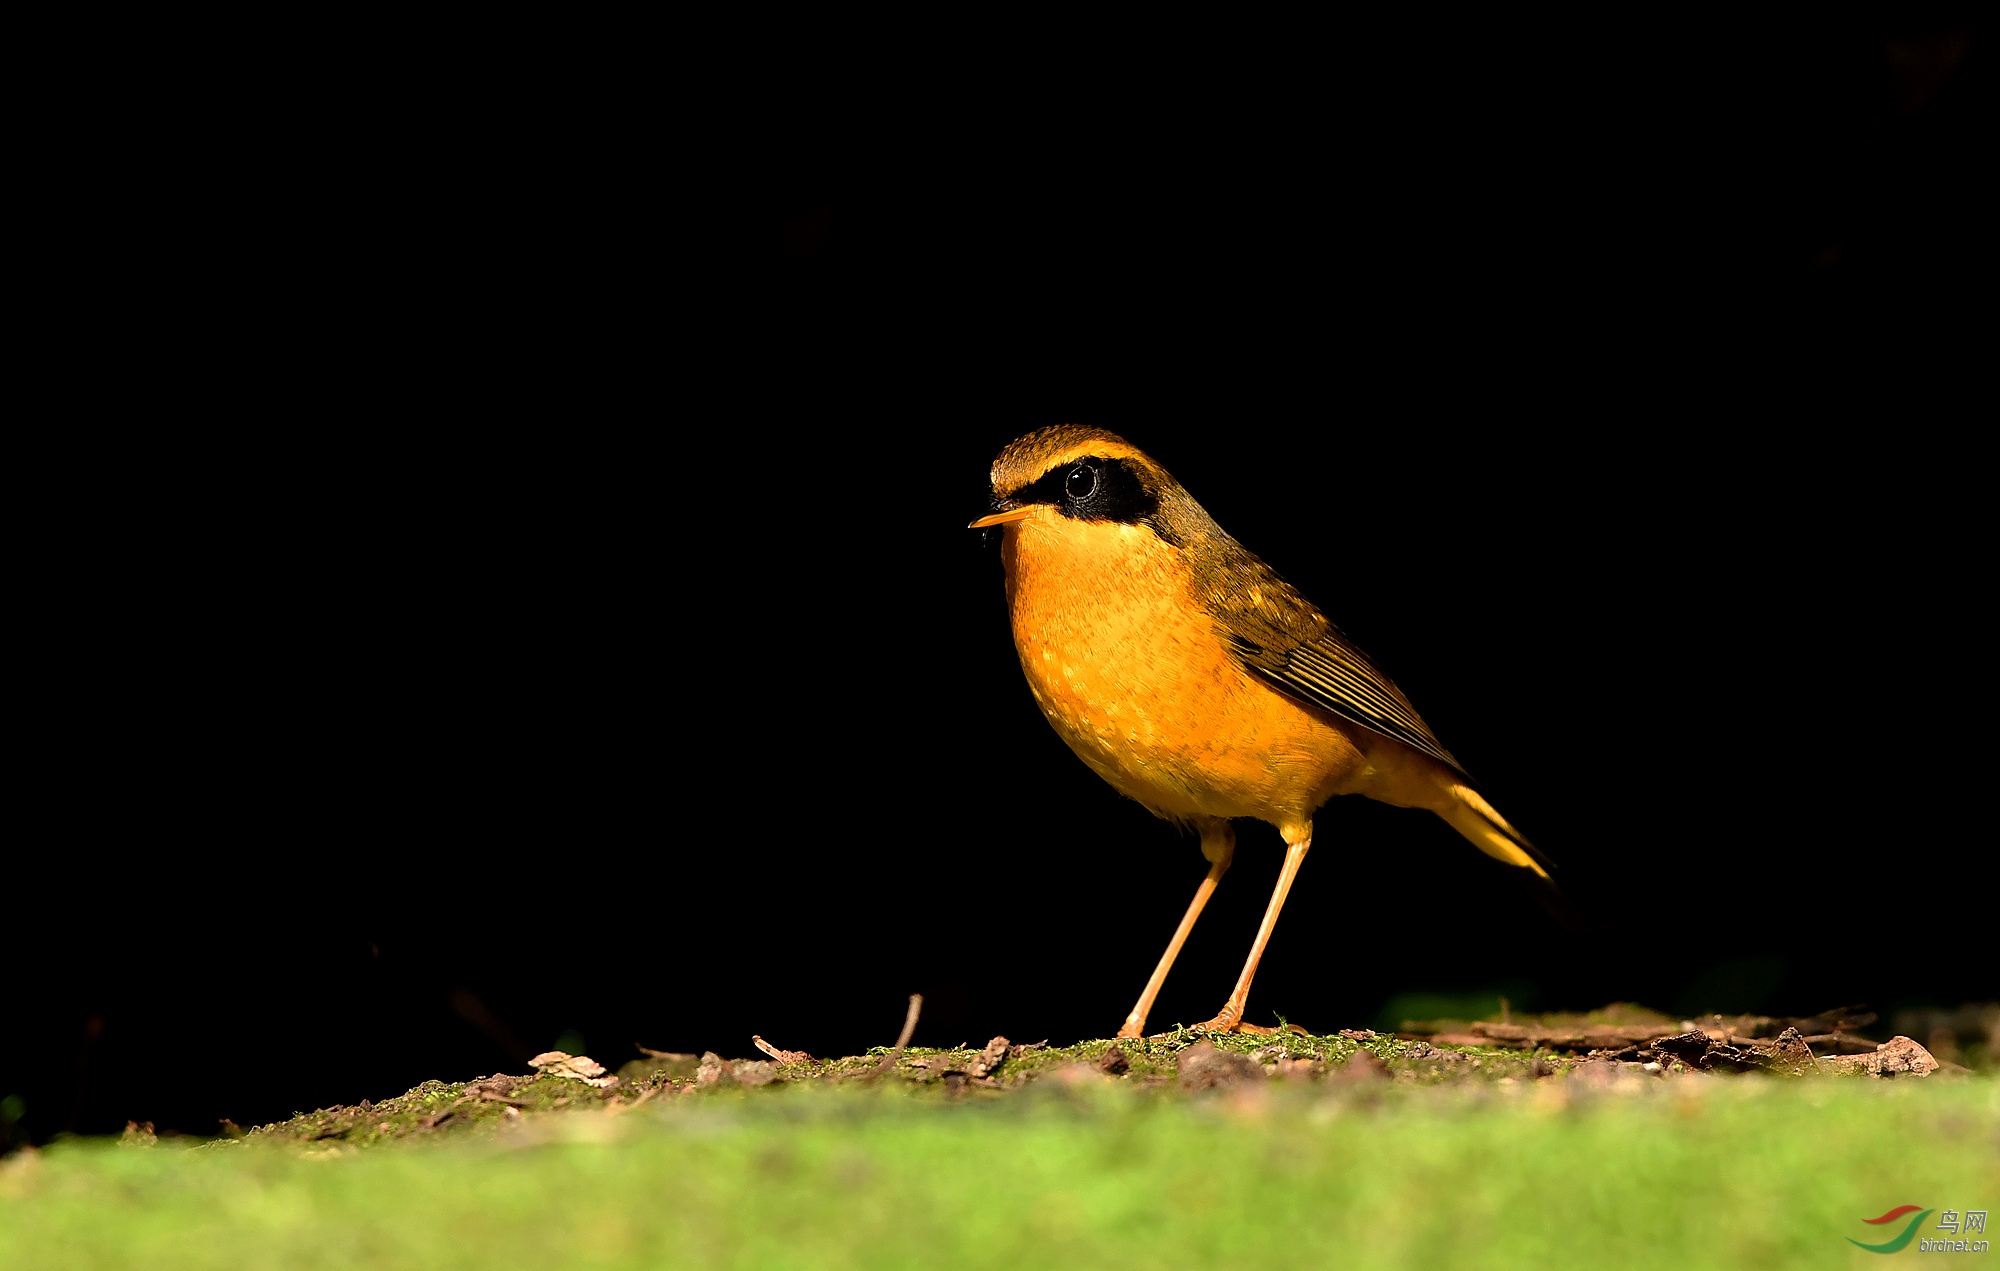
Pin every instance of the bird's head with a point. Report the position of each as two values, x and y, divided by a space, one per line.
1070 472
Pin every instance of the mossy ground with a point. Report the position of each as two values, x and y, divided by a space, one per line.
1438 1156
451 1109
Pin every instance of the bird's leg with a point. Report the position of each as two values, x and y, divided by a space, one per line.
1298 840
1218 844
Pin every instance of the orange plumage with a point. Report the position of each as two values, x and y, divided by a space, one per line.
1192 678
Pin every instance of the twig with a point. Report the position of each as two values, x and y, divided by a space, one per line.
616 1107
782 1056
902 1039
496 1098
659 1054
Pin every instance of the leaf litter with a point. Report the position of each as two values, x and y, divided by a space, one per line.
1622 1049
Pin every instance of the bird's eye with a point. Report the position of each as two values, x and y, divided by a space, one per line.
1081 483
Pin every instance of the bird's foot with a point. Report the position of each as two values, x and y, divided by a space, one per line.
1223 1023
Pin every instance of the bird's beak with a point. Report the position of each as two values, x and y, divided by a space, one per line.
998 518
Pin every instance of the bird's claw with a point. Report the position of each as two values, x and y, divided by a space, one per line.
1228 1022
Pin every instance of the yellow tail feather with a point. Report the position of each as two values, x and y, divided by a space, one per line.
1488 831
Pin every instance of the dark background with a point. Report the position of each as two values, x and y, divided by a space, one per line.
507 585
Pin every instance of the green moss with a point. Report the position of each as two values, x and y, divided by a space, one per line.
438 1110
1702 1172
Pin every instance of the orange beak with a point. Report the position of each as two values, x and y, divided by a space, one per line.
998 518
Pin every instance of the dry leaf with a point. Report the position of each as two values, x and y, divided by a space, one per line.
987 1060
557 1063
1899 1056
754 1072
713 1070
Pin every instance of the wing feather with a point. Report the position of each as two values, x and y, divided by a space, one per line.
1335 676
1280 636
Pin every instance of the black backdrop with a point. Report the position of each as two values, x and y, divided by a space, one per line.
540 609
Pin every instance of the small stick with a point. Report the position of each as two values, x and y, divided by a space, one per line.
782 1056
497 1098
659 1054
902 1039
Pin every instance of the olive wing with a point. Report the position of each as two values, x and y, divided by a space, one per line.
1276 633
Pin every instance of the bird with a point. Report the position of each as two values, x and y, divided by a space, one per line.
1193 679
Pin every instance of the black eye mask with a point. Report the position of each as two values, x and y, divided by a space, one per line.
1094 490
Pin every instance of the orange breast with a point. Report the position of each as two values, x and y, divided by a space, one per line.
1134 677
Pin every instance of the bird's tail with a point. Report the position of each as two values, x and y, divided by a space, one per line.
1475 818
